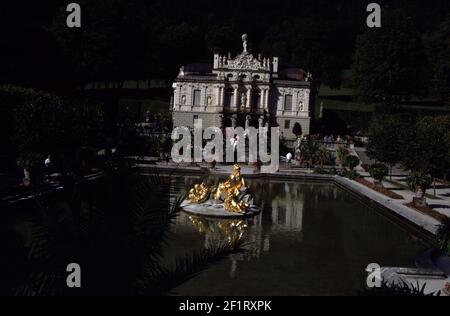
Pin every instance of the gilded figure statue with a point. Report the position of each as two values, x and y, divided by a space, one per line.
233 192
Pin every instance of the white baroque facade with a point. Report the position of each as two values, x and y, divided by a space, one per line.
243 91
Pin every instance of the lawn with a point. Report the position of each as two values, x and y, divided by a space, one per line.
344 100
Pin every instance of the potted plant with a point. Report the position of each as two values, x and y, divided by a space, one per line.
341 154
323 156
378 171
31 164
419 182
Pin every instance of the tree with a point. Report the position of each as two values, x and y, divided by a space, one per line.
388 64
378 171
297 130
426 147
419 182
386 138
44 123
438 51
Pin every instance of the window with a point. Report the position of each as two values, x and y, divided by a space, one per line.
288 102
197 97
229 98
287 124
256 99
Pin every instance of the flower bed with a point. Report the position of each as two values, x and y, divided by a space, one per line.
379 189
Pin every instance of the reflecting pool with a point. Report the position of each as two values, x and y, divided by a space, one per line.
310 239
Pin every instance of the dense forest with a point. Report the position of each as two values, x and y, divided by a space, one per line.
133 39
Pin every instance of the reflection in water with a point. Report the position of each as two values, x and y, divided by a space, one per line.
308 239
284 211
219 231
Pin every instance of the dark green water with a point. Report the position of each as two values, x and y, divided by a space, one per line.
310 239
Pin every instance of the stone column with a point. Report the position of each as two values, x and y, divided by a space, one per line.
249 97
261 102
266 99
219 94
236 98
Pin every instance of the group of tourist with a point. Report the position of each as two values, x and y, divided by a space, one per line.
329 140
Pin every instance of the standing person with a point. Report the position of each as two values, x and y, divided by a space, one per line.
288 159
48 165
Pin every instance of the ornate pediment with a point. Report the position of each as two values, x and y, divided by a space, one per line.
245 61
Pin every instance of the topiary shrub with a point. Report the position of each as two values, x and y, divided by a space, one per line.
419 182
378 171
351 162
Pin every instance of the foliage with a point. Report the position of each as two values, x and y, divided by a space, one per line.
443 236
419 180
385 138
297 130
342 154
43 123
422 144
136 38
426 147
323 156
309 151
320 170
116 229
351 162
352 174
164 144
378 171
388 62
32 162
397 289
438 51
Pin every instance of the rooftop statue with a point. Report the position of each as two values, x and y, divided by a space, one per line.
245 43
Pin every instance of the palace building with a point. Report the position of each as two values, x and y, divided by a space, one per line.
243 91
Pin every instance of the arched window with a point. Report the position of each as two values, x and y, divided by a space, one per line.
256 99
229 98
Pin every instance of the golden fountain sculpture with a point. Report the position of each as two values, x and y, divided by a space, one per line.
233 192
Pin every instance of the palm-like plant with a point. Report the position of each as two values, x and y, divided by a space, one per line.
309 151
342 154
398 289
323 156
115 235
443 236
